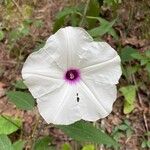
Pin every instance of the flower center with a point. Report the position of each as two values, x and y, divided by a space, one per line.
72 75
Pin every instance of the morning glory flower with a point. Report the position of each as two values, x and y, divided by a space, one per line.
73 77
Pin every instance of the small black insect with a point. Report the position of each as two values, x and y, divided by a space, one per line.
78 99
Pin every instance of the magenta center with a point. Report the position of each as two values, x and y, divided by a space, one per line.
72 75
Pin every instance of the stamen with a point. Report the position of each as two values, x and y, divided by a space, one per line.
72 75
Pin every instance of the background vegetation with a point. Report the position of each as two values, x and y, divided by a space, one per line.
24 28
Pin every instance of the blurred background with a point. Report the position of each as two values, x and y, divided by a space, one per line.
24 27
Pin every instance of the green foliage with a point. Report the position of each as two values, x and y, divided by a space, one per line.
72 16
9 125
22 100
86 132
130 70
143 58
61 16
101 30
133 62
93 10
38 23
66 146
103 22
19 32
18 145
130 55
5 143
145 142
20 85
43 143
129 93
88 147
123 129
126 54
1 35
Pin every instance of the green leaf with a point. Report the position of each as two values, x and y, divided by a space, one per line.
60 17
148 67
74 20
123 127
1 35
126 53
93 10
144 144
129 92
137 56
104 22
117 135
9 125
58 24
130 70
5 143
128 108
86 132
147 133
18 145
65 12
88 147
14 35
129 132
147 53
24 31
148 144
20 85
22 100
43 143
27 22
144 61
66 146
101 30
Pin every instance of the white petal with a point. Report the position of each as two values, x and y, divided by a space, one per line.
102 63
60 106
96 99
68 46
41 74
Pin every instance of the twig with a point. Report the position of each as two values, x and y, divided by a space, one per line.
18 7
84 13
34 129
141 103
8 62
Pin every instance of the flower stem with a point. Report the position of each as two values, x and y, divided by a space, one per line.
84 13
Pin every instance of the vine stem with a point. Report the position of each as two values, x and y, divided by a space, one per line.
84 13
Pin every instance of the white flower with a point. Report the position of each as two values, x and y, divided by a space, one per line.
72 77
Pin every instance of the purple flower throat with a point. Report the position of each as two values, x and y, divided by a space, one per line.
72 75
